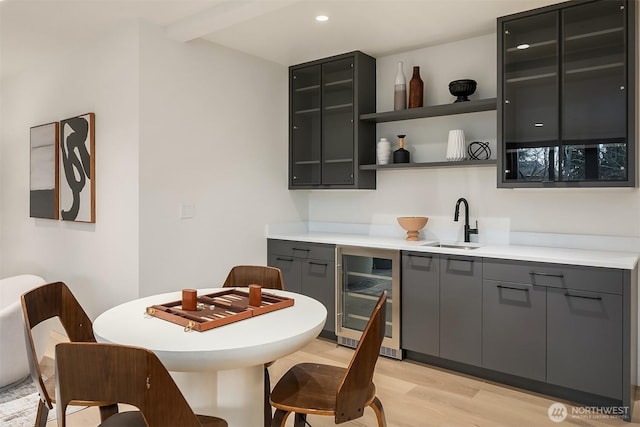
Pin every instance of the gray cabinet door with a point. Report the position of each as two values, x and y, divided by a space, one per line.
421 303
513 329
318 280
291 270
461 309
584 341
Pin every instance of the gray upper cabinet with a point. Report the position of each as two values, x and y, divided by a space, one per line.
327 141
461 309
421 303
566 88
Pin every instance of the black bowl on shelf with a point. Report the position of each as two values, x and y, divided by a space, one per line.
462 89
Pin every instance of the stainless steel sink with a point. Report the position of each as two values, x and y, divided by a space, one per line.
453 246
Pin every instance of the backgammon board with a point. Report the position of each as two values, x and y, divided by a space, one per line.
218 309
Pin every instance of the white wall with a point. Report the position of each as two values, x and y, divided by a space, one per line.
213 132
175 123
433 192
98 261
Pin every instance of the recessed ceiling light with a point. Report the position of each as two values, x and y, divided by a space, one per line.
538 125
523 46
322 18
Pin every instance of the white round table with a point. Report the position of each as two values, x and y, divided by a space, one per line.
219 371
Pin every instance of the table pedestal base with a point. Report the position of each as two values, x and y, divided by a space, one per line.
237 395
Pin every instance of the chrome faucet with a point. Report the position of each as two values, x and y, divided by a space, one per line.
467 230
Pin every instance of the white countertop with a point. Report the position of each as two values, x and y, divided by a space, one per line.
593 258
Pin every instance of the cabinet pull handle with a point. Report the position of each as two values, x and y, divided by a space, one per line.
301 249
567 294
318 263
284 259
513 288
535 273
420 256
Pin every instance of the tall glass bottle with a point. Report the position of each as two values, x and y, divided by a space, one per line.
400 90
416 89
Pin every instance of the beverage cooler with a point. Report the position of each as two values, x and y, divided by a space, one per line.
362 275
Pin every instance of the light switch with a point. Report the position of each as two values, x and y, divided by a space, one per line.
186 210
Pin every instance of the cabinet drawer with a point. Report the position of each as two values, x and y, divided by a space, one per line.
290 248
595 279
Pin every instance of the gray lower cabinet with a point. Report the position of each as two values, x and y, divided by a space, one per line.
461 309
421 303
513 329
590 331
309 269
584 341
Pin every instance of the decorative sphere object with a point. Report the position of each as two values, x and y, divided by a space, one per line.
462 89
413 225
479 150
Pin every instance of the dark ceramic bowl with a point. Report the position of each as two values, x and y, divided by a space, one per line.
462 89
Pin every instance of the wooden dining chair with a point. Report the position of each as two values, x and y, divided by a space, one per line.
269 278
123 374
245 275
47 302
344 393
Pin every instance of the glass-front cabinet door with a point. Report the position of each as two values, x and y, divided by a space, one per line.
337 123
327 141
594 134
566 106
305 122
363 273
530 71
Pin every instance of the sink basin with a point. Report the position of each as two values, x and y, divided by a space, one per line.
467 246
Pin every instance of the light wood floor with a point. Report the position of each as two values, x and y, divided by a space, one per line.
416 395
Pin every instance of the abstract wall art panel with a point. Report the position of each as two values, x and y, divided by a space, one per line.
77 180
43 171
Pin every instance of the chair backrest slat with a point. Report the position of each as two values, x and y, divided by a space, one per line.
357 384
245 275
123 374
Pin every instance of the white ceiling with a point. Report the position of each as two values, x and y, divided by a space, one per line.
283 31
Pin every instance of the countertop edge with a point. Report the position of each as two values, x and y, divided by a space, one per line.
554 255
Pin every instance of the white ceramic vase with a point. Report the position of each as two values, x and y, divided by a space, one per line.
456 145
383 151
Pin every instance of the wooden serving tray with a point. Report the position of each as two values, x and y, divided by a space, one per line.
218 309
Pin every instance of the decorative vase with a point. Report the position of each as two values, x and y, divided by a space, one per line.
400 90
416 89
456 145
401 155
383 151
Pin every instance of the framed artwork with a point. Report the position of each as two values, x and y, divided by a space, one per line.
77 180
43 171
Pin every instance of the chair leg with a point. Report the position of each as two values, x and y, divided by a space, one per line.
108 410
267 395
376 405
300 420
43 413
279 418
